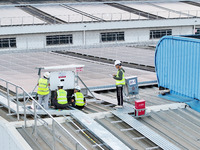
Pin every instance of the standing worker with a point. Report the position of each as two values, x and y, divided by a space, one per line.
60 101
78 100
120 82
43 90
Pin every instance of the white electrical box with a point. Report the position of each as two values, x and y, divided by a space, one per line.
131 87
66 77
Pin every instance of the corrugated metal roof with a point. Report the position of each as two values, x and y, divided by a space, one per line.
179 126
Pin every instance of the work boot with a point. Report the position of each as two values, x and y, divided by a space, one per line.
119 106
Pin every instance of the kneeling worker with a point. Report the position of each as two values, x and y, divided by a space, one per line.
78 100
60 101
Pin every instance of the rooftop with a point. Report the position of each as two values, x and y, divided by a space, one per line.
63 13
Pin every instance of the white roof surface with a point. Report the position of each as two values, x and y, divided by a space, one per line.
11 15
154 10
106 12
64 13
19 68
185 8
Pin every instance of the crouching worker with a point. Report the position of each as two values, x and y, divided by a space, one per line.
60 101
78 100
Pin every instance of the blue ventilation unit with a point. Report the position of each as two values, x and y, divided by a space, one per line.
177 63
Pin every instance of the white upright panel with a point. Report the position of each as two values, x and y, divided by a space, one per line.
10 138
66 77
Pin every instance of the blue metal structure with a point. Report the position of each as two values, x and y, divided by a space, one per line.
177 63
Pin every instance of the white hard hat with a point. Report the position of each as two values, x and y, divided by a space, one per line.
60 84
78 88
117 62
47 75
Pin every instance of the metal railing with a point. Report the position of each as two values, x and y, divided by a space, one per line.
14 97
80 18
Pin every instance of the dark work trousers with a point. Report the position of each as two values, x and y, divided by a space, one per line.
78 107
120 95
59 106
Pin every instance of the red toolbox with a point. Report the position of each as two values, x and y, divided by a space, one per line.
139 112
140 104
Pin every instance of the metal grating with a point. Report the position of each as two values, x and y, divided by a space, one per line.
100 131
147 132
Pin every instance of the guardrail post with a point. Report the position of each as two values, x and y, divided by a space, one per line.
139 16
8 97
44 19
82 18
53 131
17 103
35 118
24 109
33 20
22 21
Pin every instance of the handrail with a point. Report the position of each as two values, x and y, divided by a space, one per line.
35 113
86 87
30 20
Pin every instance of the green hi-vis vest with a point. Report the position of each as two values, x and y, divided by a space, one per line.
120 82
79 99
62 96
43 87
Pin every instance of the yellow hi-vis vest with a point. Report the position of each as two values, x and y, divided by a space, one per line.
43 87
120 82
79 99
62 96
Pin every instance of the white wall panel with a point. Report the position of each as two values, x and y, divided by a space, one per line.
38 41
10 139
33 41
77 38
183 30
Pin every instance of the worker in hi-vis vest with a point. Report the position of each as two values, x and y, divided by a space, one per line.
78 100
120 82
60 101
43 90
